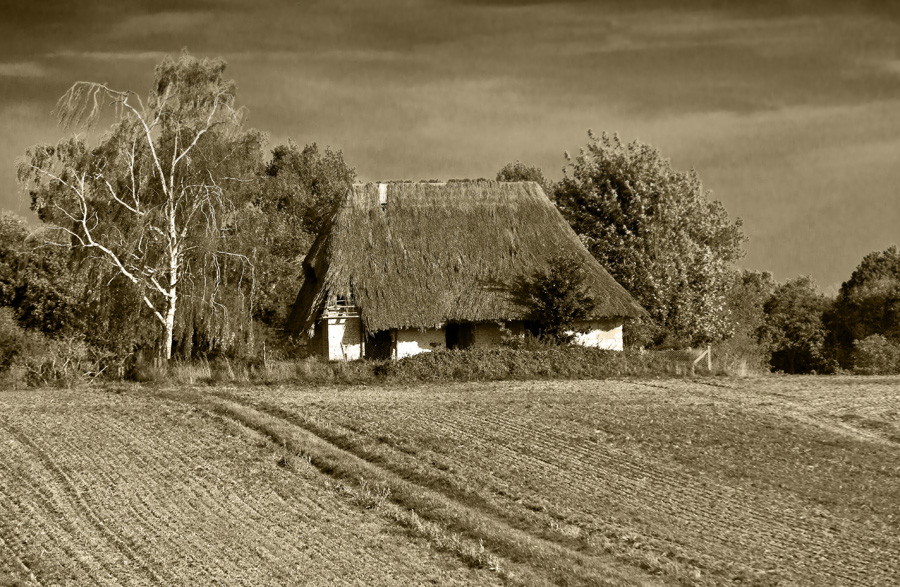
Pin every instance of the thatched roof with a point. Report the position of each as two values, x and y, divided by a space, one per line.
438 253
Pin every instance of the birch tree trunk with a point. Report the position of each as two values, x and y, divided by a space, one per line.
172 293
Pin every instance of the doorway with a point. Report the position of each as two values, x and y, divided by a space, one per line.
379 345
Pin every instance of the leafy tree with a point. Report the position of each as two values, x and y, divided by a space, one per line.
746 297
867 304
745 301
36 280
876 355
300 190
558 298
658 234
153 203
518 171
307 183
13 232
13 341
793 327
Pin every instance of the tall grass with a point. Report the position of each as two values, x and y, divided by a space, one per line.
34 360
494 364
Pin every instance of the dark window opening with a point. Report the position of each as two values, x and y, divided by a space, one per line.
532 328
459 336
379 345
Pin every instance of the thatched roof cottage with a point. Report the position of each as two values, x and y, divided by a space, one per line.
404 268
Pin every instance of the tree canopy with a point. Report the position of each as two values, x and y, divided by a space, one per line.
557 298
298 191
793 327
658 233
867 304
39 280
519 171
152 204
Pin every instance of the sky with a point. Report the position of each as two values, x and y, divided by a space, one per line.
789 110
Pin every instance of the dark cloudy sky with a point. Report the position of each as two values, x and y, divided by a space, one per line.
789 110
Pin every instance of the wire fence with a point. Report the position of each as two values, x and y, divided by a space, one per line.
687 361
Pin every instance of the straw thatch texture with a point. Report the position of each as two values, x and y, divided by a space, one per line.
442 253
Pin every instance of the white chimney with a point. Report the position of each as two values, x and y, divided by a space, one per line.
382 195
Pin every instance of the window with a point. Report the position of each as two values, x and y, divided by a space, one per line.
460 336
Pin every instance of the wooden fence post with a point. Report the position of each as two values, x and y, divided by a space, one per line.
708 354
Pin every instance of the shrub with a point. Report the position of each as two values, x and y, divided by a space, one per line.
13 341
538 362
741 355
558 297
68 362
33 359
876 355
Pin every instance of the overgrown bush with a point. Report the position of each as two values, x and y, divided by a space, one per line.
29 358
741 355
538 362
529 358
876 355
13 341
558 296
53 362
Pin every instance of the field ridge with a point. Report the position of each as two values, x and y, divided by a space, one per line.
615 547
82 504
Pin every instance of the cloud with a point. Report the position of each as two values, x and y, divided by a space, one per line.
891 66
813 183
784 108
108 55
164 24
23 124
22 69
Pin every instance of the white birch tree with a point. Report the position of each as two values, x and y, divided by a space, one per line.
151 200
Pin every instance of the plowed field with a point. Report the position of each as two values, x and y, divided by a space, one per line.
779 481
99 488
776 481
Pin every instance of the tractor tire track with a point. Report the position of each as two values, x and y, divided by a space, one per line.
476 523
764 531
195 492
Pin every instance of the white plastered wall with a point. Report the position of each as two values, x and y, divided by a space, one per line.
601 334
413 342
343 337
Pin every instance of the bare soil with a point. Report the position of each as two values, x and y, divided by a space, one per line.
109 489
771 481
